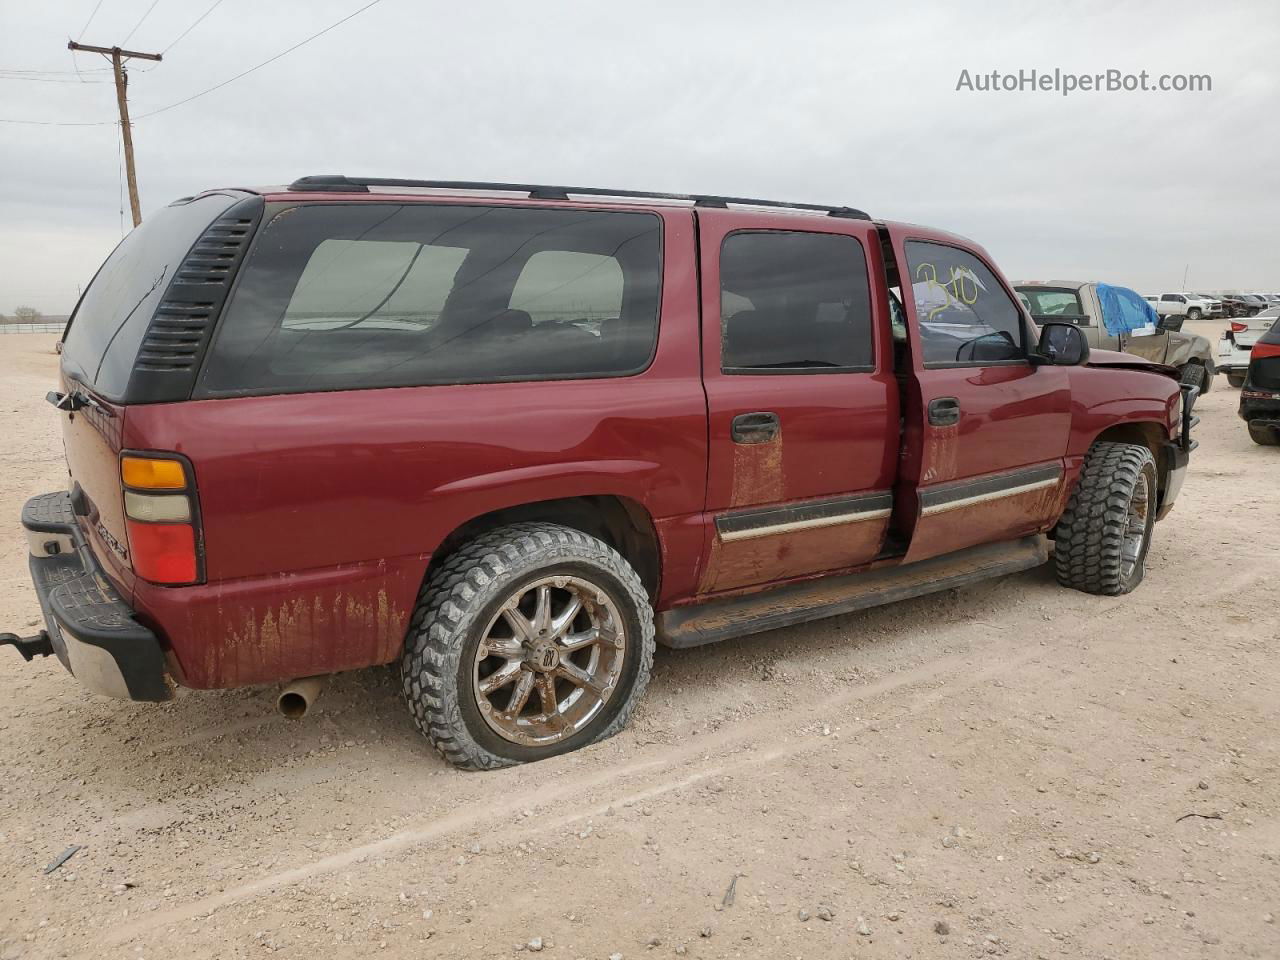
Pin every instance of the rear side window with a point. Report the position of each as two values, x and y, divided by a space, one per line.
965 316
339 297
793 302
106 331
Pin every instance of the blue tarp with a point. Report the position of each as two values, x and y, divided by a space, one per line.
1123 310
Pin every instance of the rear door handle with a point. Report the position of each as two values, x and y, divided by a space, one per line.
944 412
755 427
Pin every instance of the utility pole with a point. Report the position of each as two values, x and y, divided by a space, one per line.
118 57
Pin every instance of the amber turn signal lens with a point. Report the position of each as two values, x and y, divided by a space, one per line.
146 473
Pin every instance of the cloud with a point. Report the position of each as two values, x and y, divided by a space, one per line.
819 101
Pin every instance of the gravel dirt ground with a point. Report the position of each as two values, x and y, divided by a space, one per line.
1001 771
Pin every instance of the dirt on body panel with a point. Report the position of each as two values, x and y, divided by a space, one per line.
941 449
758 477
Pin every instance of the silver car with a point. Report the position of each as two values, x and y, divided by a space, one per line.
1237 343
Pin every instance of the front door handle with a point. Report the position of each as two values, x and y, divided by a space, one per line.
755 427
944 412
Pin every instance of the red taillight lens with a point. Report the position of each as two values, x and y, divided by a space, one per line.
1238 327
1261 350
163 552
161 517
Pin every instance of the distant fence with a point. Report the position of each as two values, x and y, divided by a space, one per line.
31 327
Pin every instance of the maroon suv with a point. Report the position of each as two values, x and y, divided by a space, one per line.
509 436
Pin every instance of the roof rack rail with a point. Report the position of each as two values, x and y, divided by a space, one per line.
336 183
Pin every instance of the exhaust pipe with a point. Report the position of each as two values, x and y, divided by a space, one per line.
296 697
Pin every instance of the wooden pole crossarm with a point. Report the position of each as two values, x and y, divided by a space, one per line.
114 51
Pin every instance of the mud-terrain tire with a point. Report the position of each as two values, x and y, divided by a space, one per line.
1235 380
469 599
1264 436
1094 550
1197 375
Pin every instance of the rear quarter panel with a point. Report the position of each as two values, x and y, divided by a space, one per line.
321 510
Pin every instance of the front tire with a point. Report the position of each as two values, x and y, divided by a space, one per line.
1103 536
1194 313
531 640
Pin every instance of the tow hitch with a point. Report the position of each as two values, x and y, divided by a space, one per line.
38 646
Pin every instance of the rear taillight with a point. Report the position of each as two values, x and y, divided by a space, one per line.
1238 327
1261 350
161 518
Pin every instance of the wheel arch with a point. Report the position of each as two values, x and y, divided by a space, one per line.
619 521
1149 434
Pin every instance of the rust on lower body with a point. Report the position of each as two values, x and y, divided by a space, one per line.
1002 518
783 556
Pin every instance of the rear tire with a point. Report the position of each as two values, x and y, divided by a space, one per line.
1103 536
502 609
1235 380
1264 436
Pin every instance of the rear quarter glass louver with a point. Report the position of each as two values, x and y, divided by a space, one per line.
179 333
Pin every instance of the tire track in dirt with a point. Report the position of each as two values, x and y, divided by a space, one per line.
1008 654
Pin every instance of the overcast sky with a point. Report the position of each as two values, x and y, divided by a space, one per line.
834 102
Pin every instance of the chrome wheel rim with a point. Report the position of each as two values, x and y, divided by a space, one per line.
549 660
1135 529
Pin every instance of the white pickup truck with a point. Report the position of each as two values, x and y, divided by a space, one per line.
1186 305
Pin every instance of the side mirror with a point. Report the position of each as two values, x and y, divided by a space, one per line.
1063 345
1171 322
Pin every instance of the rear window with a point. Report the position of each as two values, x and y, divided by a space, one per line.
1046 303
105 332
338 297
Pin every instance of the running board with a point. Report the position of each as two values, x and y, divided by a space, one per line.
714 620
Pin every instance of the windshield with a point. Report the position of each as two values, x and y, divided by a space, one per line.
1048 302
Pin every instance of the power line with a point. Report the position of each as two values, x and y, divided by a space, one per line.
91 16
51 73
196 96
62 123
193 26
51 80
283 53
139 23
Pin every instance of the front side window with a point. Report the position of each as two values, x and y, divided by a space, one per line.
794 302
349 296
965 316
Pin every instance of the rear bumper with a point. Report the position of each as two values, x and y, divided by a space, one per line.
1261 406
91 629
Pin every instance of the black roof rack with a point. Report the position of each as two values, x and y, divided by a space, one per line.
336 183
